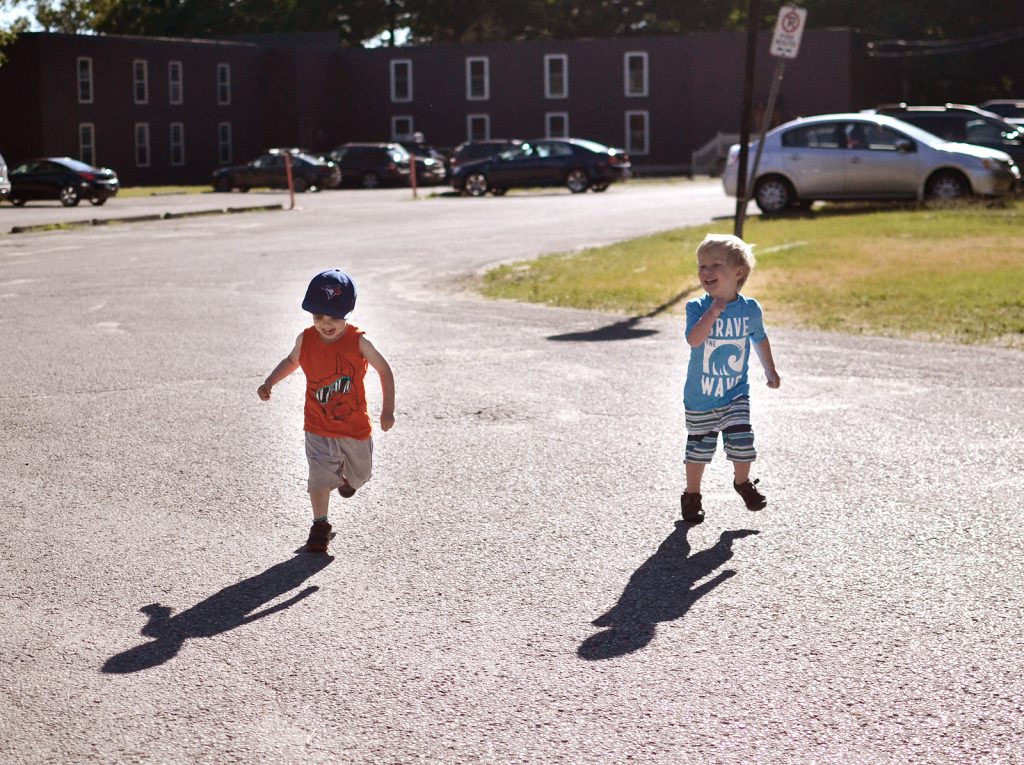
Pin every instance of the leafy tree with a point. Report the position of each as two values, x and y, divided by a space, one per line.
984 67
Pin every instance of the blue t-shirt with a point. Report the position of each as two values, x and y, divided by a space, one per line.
718 369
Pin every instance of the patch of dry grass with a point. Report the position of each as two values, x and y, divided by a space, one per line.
951 274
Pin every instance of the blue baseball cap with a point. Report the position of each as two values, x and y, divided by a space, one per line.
331 293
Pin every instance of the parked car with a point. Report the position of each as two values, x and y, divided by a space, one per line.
373 164
473 150
573 162
964 124
1010 109
431 166
64 179
309 173
5 183
867 156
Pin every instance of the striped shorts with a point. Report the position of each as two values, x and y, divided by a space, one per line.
732 421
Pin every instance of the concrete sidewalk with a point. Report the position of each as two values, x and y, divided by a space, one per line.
37 216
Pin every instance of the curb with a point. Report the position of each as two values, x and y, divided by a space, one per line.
141 218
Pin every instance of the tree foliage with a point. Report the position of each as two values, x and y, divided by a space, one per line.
473 21
465 21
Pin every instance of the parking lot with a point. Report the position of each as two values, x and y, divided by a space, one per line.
512 585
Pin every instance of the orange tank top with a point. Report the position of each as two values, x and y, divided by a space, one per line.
335 396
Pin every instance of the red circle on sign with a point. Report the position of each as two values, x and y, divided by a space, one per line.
791 22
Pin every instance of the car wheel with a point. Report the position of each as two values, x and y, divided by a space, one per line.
98 201
371 181
69 196
224 183
17 201
947 185
243 189
773 195
476 184
299 184
577 181
599 187
499 192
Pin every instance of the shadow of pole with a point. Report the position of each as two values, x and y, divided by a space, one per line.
232 607
661 590
627 328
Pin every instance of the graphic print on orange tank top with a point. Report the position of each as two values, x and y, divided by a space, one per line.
335 397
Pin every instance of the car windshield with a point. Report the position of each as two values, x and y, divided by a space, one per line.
74 164
309 158
592 145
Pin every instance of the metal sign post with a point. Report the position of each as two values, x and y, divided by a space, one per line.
789 28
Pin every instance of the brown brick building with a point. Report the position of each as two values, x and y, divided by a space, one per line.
163 110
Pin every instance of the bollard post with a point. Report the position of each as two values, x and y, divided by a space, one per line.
291 181
412 173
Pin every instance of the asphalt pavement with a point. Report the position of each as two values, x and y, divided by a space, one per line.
513 585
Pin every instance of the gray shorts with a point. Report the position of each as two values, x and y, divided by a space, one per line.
332 461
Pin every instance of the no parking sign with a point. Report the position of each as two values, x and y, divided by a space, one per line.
789 28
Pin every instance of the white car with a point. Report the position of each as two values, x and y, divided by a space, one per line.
866 156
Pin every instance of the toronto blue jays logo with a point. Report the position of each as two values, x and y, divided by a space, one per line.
331 290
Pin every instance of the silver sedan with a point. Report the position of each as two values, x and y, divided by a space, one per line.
857 156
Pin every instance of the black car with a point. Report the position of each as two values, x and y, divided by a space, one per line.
571 162
1010 109
468 151
64 179
431 167
373 164
963 124
5 184
309 173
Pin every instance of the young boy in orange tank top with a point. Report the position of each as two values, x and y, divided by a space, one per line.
334 355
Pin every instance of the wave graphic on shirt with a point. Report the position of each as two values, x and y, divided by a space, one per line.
724 358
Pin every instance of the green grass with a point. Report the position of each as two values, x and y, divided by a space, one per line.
952 274
152 191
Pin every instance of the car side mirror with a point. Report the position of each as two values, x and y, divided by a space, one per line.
906 146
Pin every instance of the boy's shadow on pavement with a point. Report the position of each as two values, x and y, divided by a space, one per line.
625 329
661 590
231 607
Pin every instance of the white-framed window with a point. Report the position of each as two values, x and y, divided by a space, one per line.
87 142
478 127
177 142
140 81
84 68
478 78
225 150
401 80
556 76
224 84
635 70
142 144
175 87
556 124
638 132
401 127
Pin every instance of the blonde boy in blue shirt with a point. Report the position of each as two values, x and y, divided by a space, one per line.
720 329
